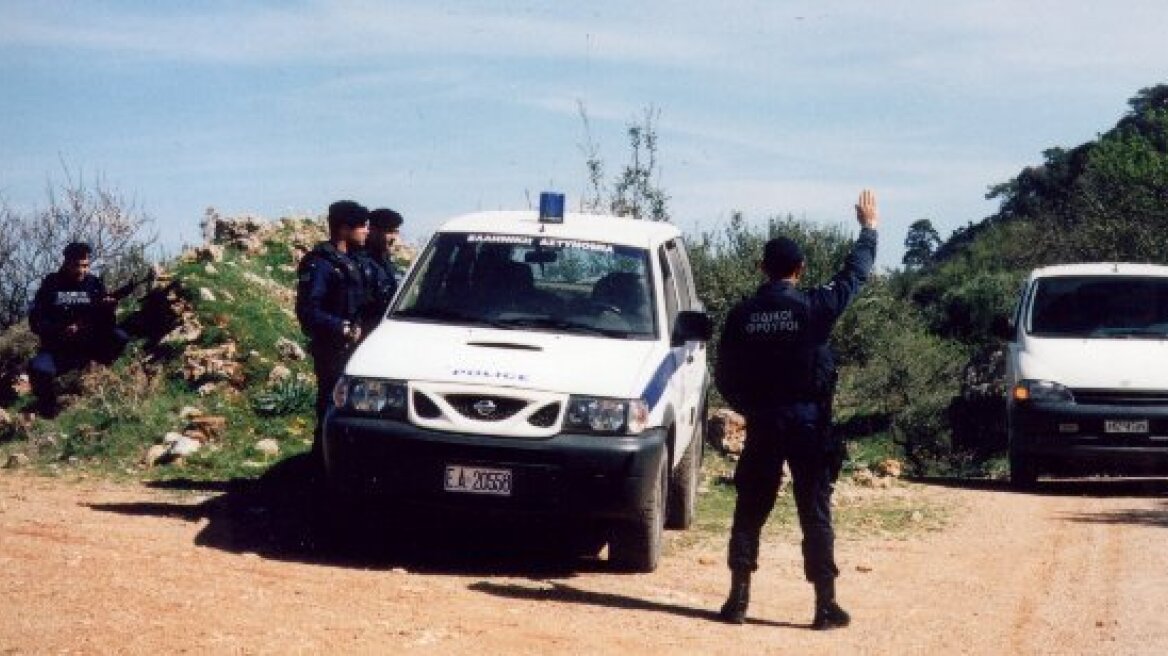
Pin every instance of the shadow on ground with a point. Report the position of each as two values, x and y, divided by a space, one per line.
1097 487
551 591
284 515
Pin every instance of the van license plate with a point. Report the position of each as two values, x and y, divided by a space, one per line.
478 480
1117 426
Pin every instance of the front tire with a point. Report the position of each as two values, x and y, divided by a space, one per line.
1023 470
636 546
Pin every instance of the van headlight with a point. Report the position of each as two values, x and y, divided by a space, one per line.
611 416
370 396
1042 391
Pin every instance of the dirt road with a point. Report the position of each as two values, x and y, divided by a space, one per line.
98 567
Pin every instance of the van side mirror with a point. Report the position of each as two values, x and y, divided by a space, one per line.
692 325
1003 328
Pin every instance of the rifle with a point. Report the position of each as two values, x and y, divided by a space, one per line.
104 318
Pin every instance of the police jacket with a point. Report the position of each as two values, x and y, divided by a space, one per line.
773 349
329 294
380 281
60 302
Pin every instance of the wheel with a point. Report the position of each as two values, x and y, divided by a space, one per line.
636 546
1023 471
683 491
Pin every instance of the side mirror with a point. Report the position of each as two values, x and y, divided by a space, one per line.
1002 327
690 326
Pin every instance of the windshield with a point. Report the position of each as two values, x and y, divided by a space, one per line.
1100 306
541 283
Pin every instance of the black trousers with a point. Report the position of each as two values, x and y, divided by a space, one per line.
790 434
328 363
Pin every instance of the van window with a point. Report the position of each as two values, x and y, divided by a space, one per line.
1100 306
541 283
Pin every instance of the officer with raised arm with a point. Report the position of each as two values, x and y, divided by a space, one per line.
775 367
329 297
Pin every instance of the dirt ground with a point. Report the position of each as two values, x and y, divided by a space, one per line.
97 567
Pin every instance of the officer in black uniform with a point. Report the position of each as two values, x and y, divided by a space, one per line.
329 296
774 366
74 318
377 266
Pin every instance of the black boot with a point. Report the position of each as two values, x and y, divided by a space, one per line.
828 614
734 610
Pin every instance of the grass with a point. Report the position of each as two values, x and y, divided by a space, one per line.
855 516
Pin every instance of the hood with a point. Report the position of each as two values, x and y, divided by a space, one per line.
1097 363
569 364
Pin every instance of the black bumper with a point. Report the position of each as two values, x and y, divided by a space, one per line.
1075 436
592 476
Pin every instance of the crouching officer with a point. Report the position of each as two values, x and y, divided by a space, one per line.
329 295
774 366
74 318
377 266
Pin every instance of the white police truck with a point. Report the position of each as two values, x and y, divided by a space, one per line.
1087 371
537 363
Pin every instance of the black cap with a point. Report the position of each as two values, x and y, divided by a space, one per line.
385 219
781 256
77 250
347 213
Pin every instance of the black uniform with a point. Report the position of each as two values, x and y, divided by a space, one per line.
329 297
380 276
59 303
774 366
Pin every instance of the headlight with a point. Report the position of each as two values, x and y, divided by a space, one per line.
370 395
1042 391
597 415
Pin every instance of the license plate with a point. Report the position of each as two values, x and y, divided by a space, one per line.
478 480
1117 426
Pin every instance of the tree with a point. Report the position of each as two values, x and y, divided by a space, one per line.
636 192
920 244
31 242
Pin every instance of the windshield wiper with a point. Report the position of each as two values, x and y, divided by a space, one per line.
451 315
566 326
1129 332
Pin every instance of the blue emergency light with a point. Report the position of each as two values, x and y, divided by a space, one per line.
551 207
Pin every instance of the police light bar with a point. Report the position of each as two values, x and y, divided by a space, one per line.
551 207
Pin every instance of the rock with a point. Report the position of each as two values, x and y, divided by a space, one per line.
198 435
917 516
206 389
213 426
21 386
290 350
155 455
863 478
268 447
206 295
209 253
727 430
180 445
278 373
17 460
5 418
210 270
890 467
189 411
227 296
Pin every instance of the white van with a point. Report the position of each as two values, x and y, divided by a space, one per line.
1087 371
536 363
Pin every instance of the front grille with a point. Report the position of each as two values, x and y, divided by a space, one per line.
485 408
1120 397
546 416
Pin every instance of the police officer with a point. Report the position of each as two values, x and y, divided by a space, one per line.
329 296
74 318
377 266
774 366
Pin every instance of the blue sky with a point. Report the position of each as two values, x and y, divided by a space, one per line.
438 108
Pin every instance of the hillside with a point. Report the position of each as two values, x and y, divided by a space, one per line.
215 383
